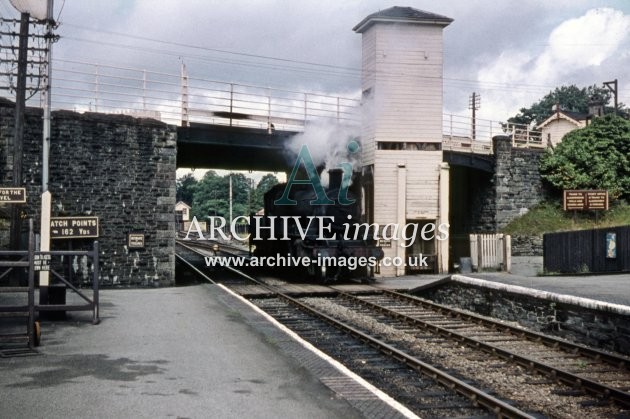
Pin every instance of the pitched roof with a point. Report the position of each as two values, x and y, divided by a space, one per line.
399 14
578 116
573 117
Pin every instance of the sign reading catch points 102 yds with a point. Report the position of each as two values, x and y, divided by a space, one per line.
73 227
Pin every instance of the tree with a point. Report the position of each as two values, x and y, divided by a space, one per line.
595 157
266 183
185 188
212 196
570 98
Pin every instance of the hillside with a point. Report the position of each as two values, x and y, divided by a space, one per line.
549 217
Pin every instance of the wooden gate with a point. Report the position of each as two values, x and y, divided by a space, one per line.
491 251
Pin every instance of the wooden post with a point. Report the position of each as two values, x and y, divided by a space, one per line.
31 286
18 137
401 213
507 253
480 252
95 284
472 238
44 276
443 210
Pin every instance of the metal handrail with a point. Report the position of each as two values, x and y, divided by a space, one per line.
126 90
92 304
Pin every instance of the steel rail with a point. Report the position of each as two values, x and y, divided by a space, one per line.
221 247
194 268
477 396
590 386
495 405
574 348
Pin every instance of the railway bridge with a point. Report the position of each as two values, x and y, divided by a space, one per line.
115 155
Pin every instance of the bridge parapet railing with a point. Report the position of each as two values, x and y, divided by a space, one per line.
259 107
180 99
523 136
461 133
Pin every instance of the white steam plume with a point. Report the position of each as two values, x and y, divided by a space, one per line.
327 142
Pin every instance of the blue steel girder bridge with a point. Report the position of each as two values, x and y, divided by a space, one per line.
238 126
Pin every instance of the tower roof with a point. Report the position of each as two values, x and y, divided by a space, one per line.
399 14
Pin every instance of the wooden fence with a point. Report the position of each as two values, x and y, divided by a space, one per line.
584 251
491 251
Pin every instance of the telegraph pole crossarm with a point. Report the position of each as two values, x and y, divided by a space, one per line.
612 86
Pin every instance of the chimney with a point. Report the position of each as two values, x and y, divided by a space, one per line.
595 106
334 178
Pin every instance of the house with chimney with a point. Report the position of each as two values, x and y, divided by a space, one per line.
561 122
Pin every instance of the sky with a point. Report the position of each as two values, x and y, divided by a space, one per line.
511 53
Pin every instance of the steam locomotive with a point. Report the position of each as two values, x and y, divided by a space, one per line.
316 233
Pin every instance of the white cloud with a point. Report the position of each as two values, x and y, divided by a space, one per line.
575 51
585 41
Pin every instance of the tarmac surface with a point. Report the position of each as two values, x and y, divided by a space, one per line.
172 352
198 352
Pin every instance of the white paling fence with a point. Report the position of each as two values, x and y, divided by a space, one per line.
491 251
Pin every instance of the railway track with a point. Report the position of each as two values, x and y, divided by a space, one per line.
424 389
427 389
445 362
555 377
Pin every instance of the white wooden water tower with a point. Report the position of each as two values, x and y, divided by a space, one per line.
407 182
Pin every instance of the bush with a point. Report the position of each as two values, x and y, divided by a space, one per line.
595 157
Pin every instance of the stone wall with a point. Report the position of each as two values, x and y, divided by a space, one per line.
116 167
517 182
527 245
515 187
599 328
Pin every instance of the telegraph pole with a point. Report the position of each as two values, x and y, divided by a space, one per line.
44 226
46 93
230 200
474 103
18 137
612 86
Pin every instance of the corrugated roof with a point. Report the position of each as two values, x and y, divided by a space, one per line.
399 14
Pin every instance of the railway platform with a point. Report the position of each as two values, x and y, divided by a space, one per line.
200 351
612 288
189 352
609 288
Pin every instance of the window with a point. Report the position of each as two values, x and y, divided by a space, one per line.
411 146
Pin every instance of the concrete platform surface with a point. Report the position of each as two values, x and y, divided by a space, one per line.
613 289
409 282
171 352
